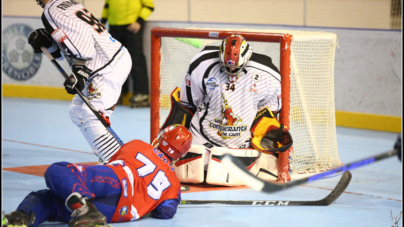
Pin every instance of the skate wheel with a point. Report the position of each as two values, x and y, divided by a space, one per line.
185 188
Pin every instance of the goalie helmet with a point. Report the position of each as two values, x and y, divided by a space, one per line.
174 141
234 55
40 3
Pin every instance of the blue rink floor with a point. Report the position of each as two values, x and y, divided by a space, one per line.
39 132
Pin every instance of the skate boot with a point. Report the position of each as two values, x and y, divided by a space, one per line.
85 214
139 100
15 219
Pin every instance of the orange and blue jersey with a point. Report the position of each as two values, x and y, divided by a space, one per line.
148 180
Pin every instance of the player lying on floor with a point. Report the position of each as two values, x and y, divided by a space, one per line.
230 94
138 179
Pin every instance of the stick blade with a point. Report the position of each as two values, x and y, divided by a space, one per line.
236 167
335 193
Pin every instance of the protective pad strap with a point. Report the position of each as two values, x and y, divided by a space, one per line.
190 168
178 114
217 174
268 167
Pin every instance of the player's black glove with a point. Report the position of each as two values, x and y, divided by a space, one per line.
40 38
77 79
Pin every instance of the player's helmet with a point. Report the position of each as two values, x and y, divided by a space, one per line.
234 55
174 141
40 3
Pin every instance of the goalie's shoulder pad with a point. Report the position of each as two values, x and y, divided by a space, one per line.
269 136
179 114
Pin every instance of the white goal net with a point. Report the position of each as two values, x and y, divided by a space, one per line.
312 106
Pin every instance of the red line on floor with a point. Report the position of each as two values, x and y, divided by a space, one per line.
33 144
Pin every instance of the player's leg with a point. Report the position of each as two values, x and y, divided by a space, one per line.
118 33
84 212
76 117
267 166
190 168
102 92
82 187
38 207
217 174
134 43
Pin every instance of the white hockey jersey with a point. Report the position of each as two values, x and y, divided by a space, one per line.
224 111
81 36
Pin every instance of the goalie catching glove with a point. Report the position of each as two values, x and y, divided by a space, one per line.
77 79
269 136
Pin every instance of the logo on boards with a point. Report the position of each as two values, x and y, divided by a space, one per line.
19 60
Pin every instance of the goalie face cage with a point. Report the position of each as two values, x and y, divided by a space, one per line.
171 53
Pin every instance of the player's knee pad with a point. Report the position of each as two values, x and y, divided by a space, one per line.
267 167
190 168
75 112
218 174
55 171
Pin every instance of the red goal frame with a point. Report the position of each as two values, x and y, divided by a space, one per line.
283 39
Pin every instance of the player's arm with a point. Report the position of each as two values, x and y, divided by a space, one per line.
166 209
80 73
272 102
184 103
105 13
272 98
41 38
82 48
192 92
147 9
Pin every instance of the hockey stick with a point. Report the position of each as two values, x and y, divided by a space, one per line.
257 184
330 198
85 100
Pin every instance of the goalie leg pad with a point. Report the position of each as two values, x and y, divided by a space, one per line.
218 174
267 167
190 168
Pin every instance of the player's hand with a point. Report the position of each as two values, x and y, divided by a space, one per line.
77 79
40 38
134 27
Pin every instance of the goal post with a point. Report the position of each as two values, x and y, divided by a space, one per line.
173 48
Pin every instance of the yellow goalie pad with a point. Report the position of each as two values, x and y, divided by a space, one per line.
269 136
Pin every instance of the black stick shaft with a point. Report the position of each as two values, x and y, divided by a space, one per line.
245 202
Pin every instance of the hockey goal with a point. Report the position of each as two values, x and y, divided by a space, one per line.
306 63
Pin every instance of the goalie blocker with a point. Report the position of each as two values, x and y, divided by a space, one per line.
269 137
179 114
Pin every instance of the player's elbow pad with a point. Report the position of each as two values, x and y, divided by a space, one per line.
166 209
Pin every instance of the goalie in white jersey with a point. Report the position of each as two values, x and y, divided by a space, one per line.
99 63
224 89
